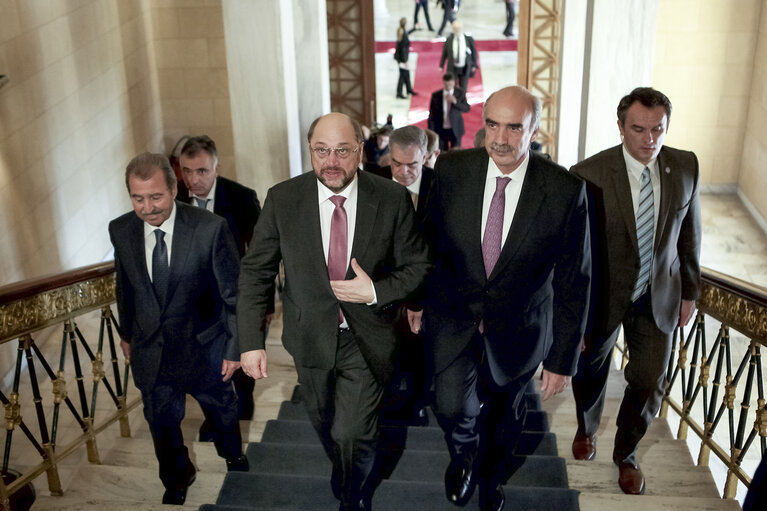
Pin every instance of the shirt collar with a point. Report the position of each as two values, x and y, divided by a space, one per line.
634 166
325 193
211 193
518 175
415 186
166 226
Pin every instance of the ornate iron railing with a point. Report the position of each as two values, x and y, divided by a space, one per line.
707 382
33 307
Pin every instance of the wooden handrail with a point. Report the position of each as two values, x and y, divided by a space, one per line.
31 287
736 303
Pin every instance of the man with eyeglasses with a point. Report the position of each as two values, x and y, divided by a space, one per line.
351 252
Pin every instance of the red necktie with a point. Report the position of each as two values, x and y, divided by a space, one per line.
337 247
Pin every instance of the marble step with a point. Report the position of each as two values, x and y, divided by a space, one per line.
601 502
135 486
599 477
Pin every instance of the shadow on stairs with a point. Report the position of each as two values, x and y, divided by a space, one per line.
290 471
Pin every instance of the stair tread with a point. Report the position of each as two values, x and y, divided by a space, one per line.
602 501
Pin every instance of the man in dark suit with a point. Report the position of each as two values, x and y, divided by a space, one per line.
451 11
351 251
176 269
645 224
460 55
238 204
408 153
446 110
508 291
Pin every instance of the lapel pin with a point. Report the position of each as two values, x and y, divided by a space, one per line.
668 170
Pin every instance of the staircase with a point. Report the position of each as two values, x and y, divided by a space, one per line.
284 452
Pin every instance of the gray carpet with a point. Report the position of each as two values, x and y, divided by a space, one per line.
290 472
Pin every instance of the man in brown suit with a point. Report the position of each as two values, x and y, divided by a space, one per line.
645 231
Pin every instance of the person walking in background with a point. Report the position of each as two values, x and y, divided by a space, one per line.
446 109
509 30
401 54
460 55
418 5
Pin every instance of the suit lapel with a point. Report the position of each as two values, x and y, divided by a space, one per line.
183 238
221 204
475 191
531 199
623 194
367 208
665 171
307 228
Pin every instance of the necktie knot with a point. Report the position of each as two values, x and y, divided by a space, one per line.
159 235
201 203
501 183
338 200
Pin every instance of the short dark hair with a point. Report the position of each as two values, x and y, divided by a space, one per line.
194 145
145 165
355 125
646 96
409 136
447 77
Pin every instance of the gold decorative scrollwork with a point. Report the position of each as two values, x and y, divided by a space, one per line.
739 313
59 388
26 315
12 412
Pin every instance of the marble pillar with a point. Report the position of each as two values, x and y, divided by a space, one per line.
261 62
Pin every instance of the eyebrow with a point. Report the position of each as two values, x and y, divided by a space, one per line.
403 163
510 125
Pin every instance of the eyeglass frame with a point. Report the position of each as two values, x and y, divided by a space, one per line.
334 150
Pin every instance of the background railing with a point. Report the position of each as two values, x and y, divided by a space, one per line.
38 403
716 389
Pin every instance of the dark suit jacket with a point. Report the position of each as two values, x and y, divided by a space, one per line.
195 329
676 255
386 244
456 111
239 205
427 175
534 303
471 55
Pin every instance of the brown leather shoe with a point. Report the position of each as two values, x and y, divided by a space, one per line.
584 446
631 479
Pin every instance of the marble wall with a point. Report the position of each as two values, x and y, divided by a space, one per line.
752 180
81 101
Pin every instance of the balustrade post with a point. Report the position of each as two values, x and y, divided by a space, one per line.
124 422
52 471
5 497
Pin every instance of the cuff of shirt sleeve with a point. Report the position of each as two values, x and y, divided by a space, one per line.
375 296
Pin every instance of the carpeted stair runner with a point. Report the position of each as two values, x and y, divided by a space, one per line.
289 469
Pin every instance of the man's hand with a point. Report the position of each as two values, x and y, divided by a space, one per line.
126 350
254 363
451 99
228 368
686 310
414 320
357 290
553 384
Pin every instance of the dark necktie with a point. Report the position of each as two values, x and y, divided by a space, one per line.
160 270
337 247
645 219
201 203
491 243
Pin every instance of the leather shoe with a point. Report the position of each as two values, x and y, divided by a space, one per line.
459 483
495 499
631 479
238 464
400 96
177 496
584 446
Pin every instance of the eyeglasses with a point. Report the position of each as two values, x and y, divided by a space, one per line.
341 152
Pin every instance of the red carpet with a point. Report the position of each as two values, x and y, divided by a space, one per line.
428 78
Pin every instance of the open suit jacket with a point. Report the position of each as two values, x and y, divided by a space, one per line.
386 244
238 204
447 55
456 112
675 266
533 304
194 330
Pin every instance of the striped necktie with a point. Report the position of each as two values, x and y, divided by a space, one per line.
645 217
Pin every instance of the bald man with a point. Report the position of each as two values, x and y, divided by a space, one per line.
508 291
351 252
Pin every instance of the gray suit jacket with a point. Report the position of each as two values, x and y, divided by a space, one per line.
533 304
386 244
194 330
676 255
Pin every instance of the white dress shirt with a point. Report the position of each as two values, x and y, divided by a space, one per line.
635 169
446 108
150 240
459 49
414 188
211 197
512 191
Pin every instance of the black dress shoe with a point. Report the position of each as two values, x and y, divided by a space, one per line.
177 496
413 93
494 500
238 464
400 96
459 483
